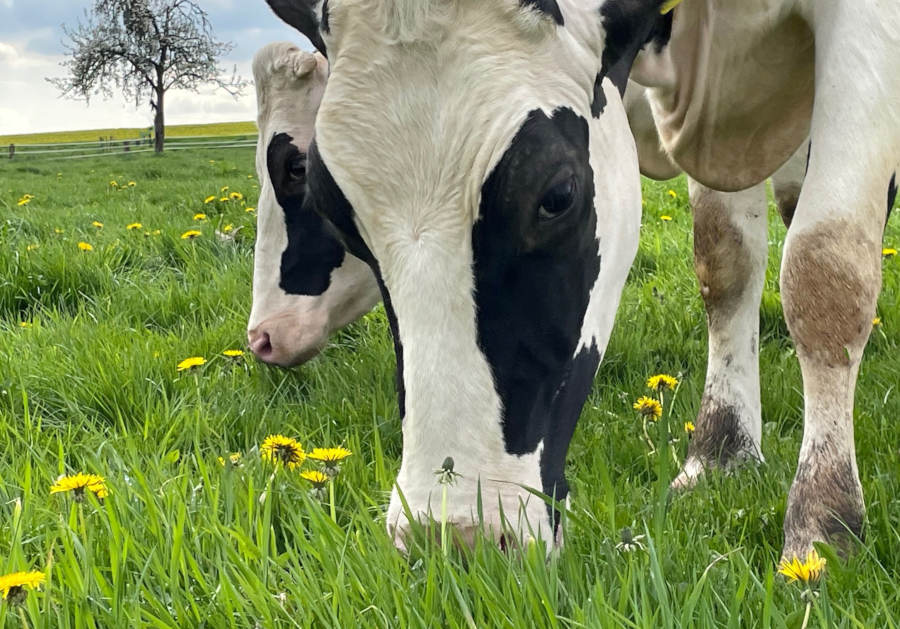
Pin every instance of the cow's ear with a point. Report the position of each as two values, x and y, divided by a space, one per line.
304 15
630 25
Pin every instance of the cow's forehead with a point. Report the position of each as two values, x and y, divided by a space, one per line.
440 111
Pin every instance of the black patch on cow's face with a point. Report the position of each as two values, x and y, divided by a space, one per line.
567 405
598 104
536 258
301 14
629 26
550 7
312 252
328 200
892 196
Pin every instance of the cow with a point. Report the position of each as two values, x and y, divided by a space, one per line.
299 297
476 155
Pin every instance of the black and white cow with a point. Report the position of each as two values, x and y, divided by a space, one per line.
477 156
301 295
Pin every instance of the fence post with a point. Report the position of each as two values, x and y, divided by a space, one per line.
12 150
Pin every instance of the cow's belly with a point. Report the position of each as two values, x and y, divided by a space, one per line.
732 93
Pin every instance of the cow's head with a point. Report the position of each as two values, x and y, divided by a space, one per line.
477 155
303 294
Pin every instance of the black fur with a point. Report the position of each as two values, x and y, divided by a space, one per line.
598 104
301 14
550 7
892 196
629 26
305 269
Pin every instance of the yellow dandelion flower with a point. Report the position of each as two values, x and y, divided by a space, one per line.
662 381
249 176
236 196
191 234
806 571
227 229
85 246
284 450
224 189
78 483
233 353
190 363
97 224
672 193
210 199
32 247
28 196
888 252
665 218
57 230
132 226
23 201
13 585
224 199
250 209
648 407
876 321
234 458
132 184
317 478
689 427
25 324
113 184
200 216
329 456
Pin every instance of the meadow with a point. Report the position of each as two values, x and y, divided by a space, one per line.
90 341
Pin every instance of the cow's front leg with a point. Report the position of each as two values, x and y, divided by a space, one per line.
730 245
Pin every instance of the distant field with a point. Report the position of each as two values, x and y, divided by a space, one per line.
92 135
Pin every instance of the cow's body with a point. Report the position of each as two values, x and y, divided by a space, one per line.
501 220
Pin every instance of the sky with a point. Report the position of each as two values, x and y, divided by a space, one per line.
31 49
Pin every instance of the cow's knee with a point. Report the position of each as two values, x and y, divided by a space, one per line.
729 259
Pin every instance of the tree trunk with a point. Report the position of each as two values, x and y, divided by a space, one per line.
159 123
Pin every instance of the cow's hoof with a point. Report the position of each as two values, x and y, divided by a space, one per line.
689 475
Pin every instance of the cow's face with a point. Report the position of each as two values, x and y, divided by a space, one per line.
304 286
478 156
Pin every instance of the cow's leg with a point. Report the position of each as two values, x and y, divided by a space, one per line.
788 181
730 246
831 269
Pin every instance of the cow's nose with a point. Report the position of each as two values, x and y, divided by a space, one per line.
260 344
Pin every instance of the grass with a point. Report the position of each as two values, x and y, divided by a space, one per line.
92 135
90 385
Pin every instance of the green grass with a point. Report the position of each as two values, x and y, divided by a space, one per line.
182 541
92 135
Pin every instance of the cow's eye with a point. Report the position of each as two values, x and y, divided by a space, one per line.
297 167
558 199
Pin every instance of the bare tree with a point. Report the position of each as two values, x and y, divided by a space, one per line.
144 48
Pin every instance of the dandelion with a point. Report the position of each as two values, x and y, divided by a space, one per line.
689 427
888 252
13 586
131 184
806 571
57 230
876 322
85 246
250 209
190 363
200 216
236 196
234 459
665 218
23 201
224 199
228 228
133 226
233 353
191 234
210 199
113 184
284 450
629 541
32 247
78 483
329 456
648 407
26 324
662 381
97 224
446 476
249 176
672 193
317 478
224 189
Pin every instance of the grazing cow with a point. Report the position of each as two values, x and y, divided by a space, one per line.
299 296
287 328
477 156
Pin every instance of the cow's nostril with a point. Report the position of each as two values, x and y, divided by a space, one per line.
261 345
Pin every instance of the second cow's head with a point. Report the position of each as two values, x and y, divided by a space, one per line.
477 155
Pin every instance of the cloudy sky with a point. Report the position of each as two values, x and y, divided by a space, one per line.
31 49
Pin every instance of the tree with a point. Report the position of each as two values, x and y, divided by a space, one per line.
144 48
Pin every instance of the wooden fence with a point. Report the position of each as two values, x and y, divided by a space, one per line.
112 147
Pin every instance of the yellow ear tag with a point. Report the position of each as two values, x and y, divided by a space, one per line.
668 5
